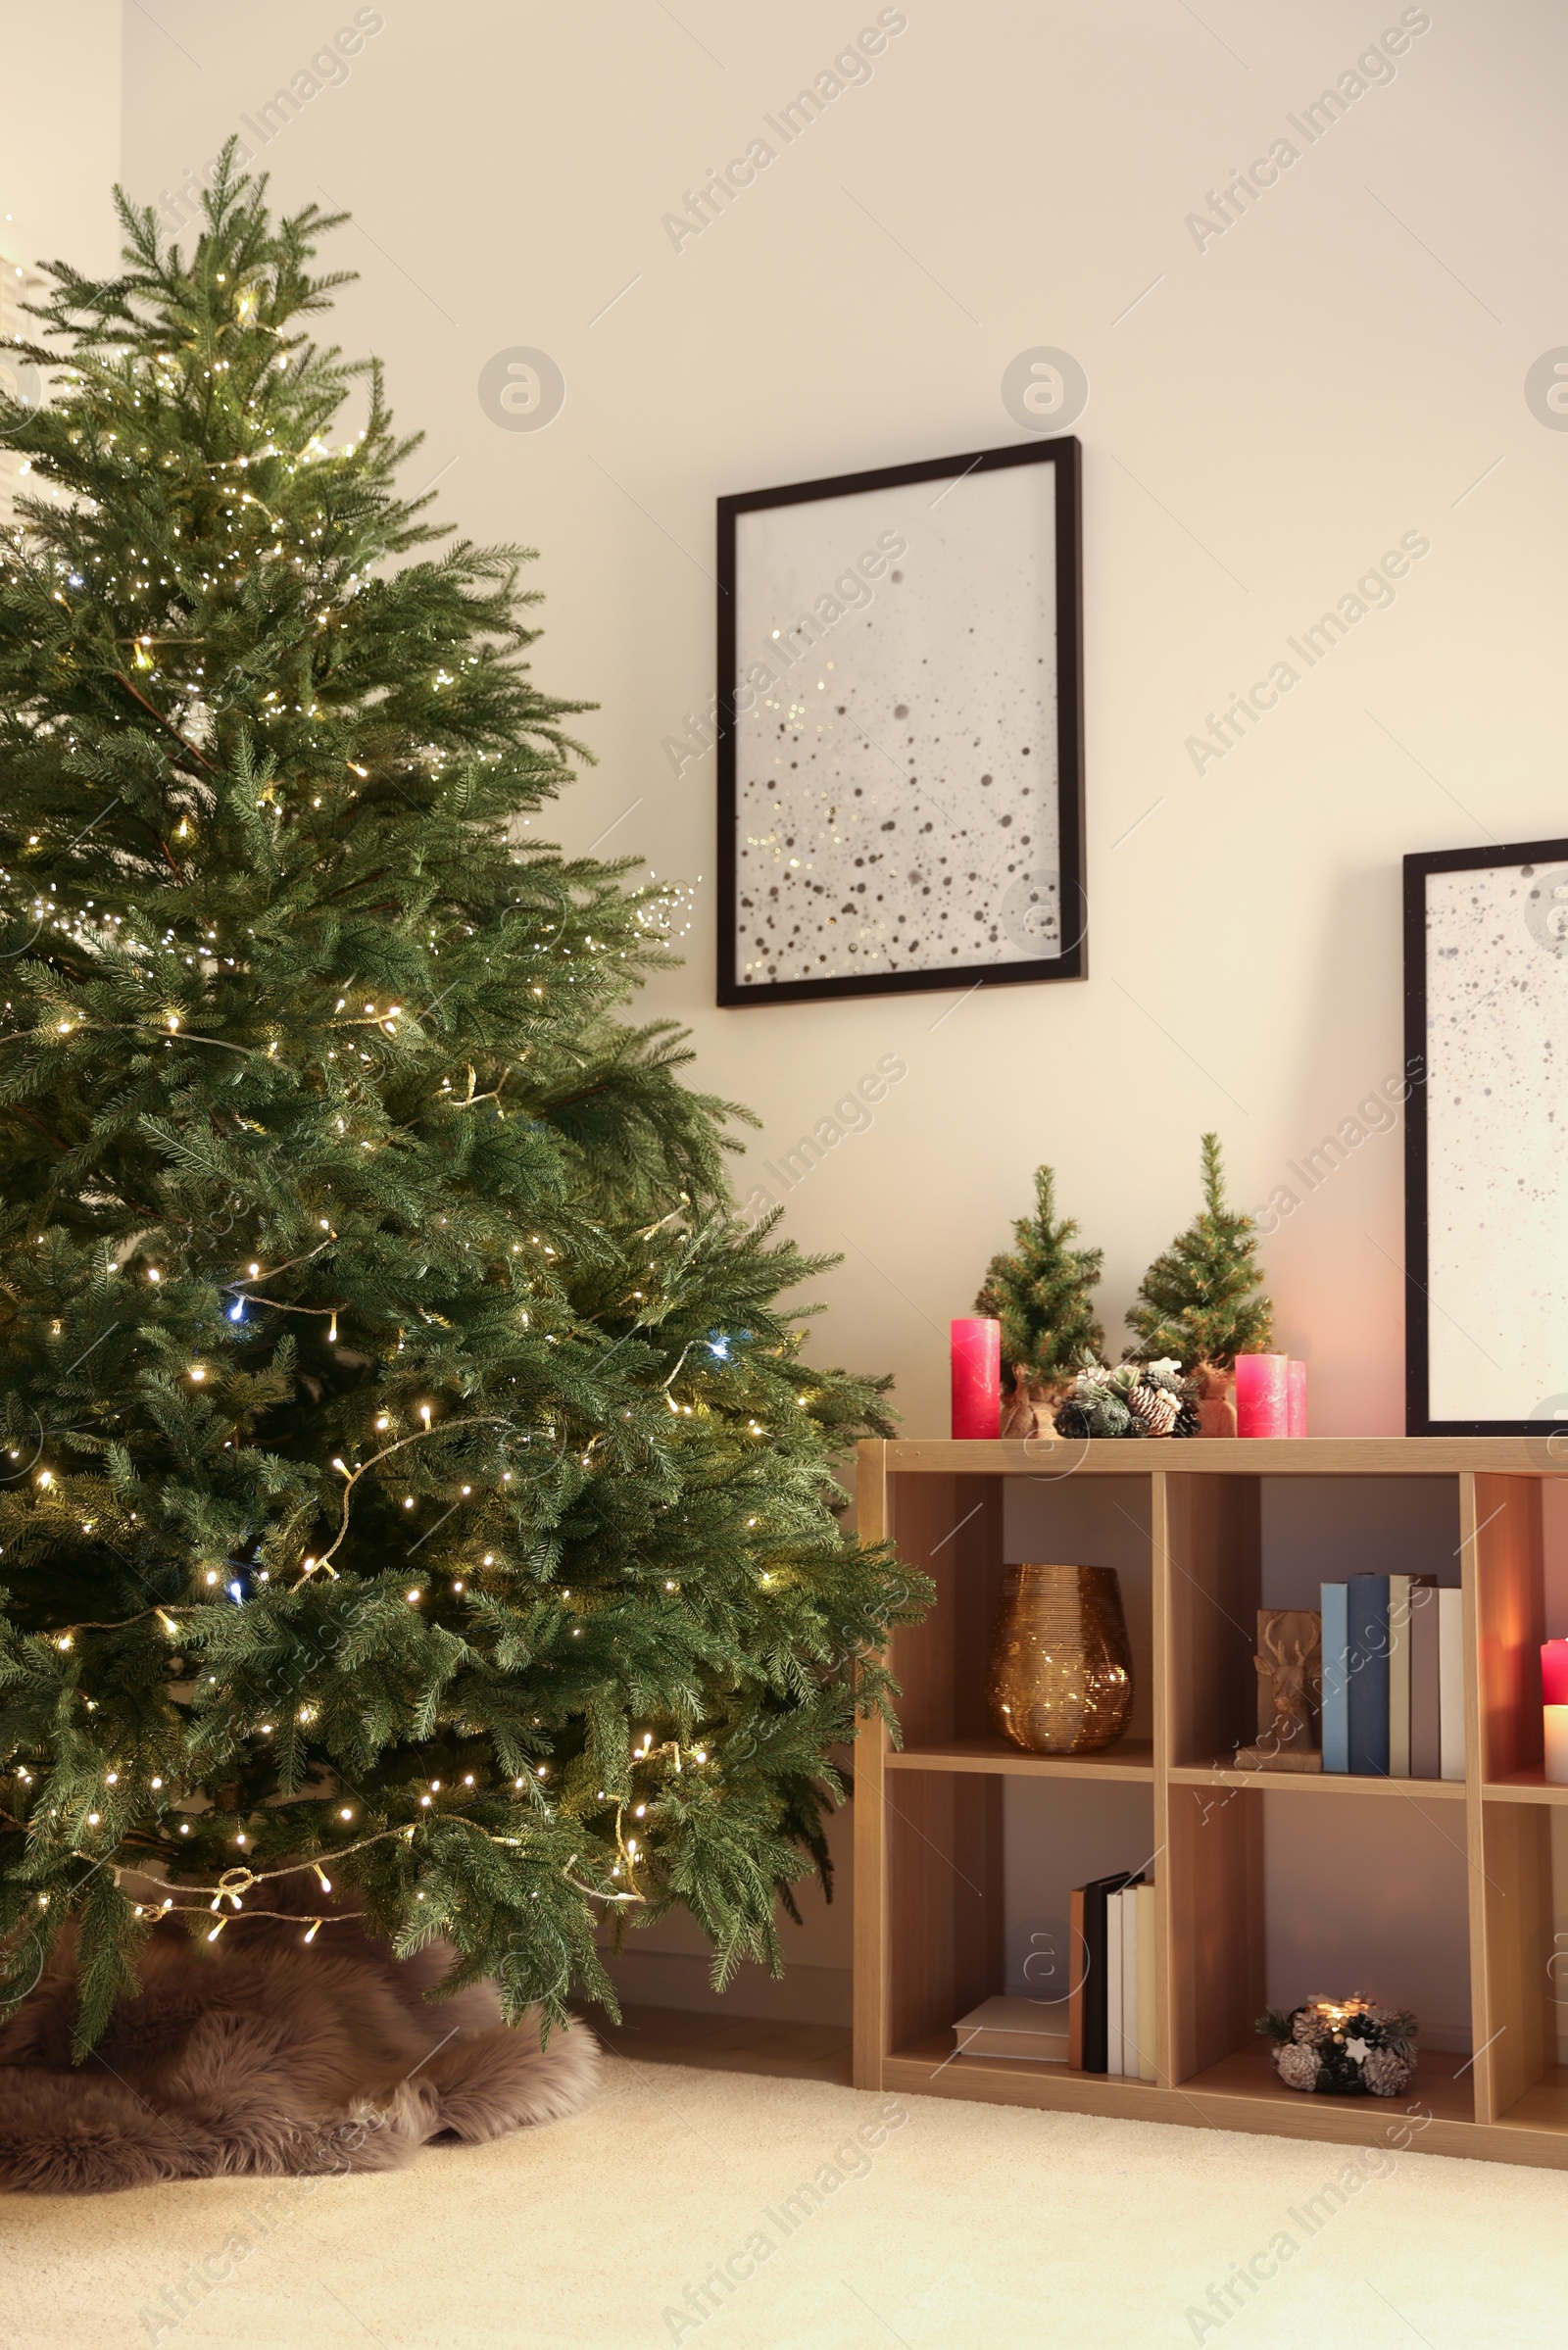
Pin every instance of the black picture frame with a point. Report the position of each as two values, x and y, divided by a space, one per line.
1064 455
1419 1301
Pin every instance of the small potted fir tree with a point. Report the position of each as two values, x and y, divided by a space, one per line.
1202 1301
1040 1294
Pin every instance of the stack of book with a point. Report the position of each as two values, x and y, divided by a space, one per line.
1110 2010
1392 1677
1030 2030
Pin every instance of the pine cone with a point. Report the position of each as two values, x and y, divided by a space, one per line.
1157 1407
1384 2074
1188 1421
1309 2029
1072 1420
1298 2066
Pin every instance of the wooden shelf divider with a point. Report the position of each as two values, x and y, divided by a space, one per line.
928 1818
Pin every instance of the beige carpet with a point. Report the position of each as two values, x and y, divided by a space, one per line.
966 2224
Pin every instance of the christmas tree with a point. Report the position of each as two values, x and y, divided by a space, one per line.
1198 1301
411 1474
1041 1294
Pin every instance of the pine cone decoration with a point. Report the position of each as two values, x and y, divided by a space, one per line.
1188 1421
1156 1406
1072 1420
1384 2074
1343 2047
1298 2066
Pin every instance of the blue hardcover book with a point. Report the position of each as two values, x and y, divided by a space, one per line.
1366 1646
1335 1694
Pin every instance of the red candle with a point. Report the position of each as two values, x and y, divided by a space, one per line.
976 1376
1555 1672
1262 1394
1298 1398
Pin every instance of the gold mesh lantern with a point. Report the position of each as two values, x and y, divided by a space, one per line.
1061 1667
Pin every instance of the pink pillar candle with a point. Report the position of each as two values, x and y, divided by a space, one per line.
1298 1402
1555 1710
1262 1394
976 1376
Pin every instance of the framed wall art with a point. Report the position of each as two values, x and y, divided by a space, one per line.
900 729
1485 948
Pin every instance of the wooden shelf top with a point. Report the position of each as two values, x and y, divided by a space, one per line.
1524 1786
1128 1759
1238 2093
1543 2107
1445 2089
1229 1456
1320 1782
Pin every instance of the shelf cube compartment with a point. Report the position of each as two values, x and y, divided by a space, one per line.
980 1870
1273 1901
1525 1898
1235 1543
961 1531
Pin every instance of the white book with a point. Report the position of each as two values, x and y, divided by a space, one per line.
1399 1676
1451 1683
1114 2040
1131 2053
1145 1982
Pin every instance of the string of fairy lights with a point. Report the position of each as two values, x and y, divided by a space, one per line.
236 1880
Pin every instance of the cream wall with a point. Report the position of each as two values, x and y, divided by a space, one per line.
60 108
1267 416
1336 369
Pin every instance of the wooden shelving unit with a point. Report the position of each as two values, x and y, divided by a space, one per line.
929 1843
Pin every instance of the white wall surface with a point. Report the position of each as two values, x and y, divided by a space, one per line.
1266 415
60 106
1341 367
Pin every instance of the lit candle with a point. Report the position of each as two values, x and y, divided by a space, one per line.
1262 1394
976 1376
1554 1709
1298 1398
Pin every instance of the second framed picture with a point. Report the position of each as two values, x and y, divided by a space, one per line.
1486 1010
900 729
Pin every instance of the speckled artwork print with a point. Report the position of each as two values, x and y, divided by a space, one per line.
1498 1142
896 739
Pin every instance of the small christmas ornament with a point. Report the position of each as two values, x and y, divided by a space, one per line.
1343 2047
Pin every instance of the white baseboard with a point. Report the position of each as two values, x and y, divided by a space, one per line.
672 1979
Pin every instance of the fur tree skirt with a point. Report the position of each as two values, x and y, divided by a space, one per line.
261 2055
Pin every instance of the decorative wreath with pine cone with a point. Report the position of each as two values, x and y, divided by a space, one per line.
1134 1400
1343 2047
